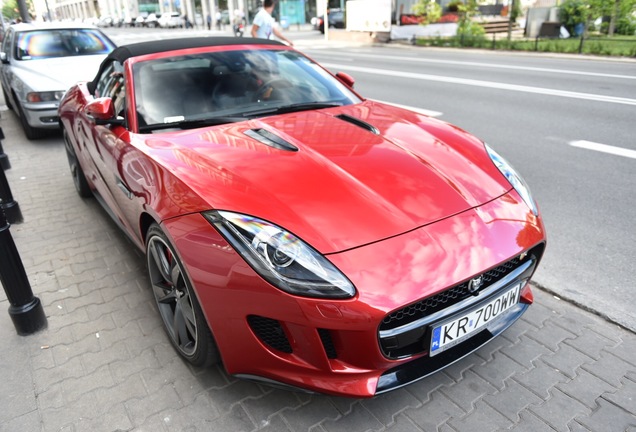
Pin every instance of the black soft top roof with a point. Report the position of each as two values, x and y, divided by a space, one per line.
124 52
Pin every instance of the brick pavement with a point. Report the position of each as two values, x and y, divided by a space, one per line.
105 364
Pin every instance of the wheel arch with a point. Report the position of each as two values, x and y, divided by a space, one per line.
145 221
15 97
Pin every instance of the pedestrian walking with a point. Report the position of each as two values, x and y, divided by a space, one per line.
264 24
209 20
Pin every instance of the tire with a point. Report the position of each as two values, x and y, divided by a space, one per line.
178 306
30 132
79 178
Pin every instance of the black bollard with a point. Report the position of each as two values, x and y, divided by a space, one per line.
25 309
7 203
4 159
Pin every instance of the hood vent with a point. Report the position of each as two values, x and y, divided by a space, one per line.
359 123
269 139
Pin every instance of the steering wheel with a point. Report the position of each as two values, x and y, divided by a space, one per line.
264 92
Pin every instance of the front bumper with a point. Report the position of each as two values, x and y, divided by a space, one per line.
342 347
41 115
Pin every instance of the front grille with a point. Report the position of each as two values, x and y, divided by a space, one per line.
400 340
447 298
270 332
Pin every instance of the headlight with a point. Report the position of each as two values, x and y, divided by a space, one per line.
517 182
50 96
280 257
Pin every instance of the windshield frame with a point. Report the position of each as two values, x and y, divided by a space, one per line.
302 82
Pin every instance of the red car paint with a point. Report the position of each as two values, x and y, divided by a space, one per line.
405 214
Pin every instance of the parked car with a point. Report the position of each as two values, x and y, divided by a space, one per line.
140 20
40 61
170 20
336 20
128 21
151 21
295 232
106 21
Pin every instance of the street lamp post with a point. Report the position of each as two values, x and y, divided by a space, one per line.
24 11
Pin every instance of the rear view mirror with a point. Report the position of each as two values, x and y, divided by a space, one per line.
346 79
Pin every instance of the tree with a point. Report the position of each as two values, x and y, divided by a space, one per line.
577 12
466 25
11 9
623 19
574 13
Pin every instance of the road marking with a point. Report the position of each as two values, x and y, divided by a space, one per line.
488 65
414 109
487 84
618 151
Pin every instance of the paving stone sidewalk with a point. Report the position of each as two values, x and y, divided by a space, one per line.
105 364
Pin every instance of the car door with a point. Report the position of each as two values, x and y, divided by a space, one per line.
131 178
107 146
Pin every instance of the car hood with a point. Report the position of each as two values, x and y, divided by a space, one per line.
346 185
57 73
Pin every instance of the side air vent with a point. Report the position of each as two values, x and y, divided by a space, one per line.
270 332
270 139
327 343
359 123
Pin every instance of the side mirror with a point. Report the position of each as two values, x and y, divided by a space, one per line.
102 112
346 79
3 57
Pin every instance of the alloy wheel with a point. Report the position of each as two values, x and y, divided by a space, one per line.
172 295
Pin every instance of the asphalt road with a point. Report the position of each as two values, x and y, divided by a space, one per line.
546 115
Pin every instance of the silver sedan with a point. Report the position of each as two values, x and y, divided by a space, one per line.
40 61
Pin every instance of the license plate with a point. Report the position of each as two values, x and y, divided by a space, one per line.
450 333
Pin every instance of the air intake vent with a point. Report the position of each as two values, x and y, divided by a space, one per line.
327 343
359 123
270 139
270 332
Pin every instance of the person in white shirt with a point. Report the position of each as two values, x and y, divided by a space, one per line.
264 25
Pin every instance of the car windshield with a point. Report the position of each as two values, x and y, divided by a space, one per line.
41 44
231 84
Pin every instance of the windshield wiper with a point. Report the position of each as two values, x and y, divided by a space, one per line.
303 106
192 124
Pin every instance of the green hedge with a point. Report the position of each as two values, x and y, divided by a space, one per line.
625 46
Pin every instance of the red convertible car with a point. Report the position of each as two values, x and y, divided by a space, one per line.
296 232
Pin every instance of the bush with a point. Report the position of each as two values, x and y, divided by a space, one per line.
626 26
573 12
466 27
597 46
428 11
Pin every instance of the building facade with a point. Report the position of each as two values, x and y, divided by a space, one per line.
197 11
